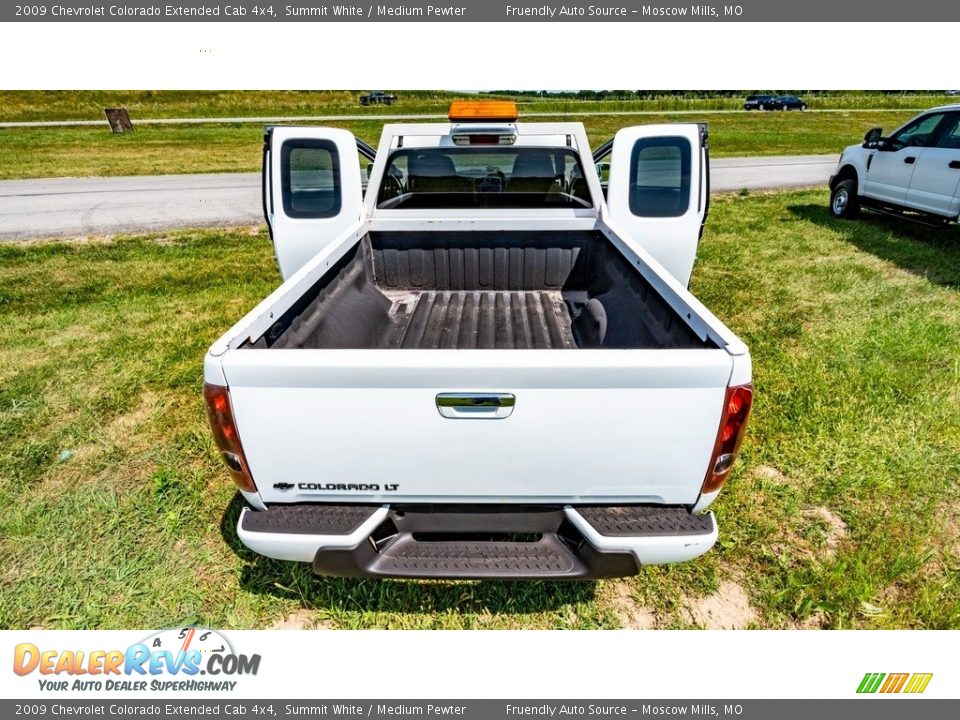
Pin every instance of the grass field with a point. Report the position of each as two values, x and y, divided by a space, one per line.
842 512
225 147
160 149
34 105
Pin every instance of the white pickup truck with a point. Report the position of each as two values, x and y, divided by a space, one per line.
914 173
485 363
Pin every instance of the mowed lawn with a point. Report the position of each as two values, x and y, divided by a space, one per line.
237 147
34 152
842 512
52 105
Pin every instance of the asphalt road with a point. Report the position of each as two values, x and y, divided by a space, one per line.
68 207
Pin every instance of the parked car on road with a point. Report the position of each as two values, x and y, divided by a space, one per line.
914 172
481 365
377 98
760 102
790 102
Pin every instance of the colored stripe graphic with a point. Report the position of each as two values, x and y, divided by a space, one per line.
918 682
870 682
894 683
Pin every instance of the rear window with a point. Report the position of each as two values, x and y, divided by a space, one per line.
473 177
310 177
660 177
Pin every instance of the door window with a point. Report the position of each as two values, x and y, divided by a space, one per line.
950 137
919 133
660 177
310 178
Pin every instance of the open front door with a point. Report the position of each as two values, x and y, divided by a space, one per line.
312 190
659 190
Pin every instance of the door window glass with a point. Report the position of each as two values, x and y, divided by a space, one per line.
918 133
660 177
950 137
310 178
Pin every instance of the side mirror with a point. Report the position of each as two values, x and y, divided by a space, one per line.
872 138
369 171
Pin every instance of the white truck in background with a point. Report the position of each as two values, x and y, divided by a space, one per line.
485 364
914 173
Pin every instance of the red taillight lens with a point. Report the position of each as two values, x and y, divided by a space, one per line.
733 425
220 415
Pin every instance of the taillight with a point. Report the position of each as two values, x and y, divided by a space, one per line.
220 415
733 425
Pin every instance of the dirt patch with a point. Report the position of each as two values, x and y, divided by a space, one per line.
817 621
299 620
124 428
835 528
948 517
632 615
727 609
769 472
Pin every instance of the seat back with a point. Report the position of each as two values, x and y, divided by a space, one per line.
432 173
533 172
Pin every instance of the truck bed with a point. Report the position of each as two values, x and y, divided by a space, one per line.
481 290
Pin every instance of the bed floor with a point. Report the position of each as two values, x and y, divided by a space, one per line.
537 319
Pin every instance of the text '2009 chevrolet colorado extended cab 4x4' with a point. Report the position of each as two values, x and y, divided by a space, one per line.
485 364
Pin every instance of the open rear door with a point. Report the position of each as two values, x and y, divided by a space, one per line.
658 190
312 190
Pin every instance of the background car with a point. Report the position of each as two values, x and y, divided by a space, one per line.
760 102
377 98
790 102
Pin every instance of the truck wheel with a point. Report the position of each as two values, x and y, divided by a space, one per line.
844 202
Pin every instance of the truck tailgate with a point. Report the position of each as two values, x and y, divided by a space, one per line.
363 425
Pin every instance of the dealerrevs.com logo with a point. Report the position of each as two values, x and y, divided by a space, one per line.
181 659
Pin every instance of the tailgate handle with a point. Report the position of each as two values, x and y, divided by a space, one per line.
478 406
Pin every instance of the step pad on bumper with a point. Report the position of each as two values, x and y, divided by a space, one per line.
477 541
647 520
410 556
308 519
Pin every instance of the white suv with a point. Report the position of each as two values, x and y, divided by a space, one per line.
915 172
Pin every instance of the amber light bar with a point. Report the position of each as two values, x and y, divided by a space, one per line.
483 111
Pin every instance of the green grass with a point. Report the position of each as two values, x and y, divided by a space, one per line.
842 511
153 149
35 105
225 147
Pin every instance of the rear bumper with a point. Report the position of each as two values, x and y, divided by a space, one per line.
478 542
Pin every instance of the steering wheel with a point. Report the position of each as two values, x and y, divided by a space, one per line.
392 185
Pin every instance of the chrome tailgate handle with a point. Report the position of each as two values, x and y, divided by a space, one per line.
478 406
